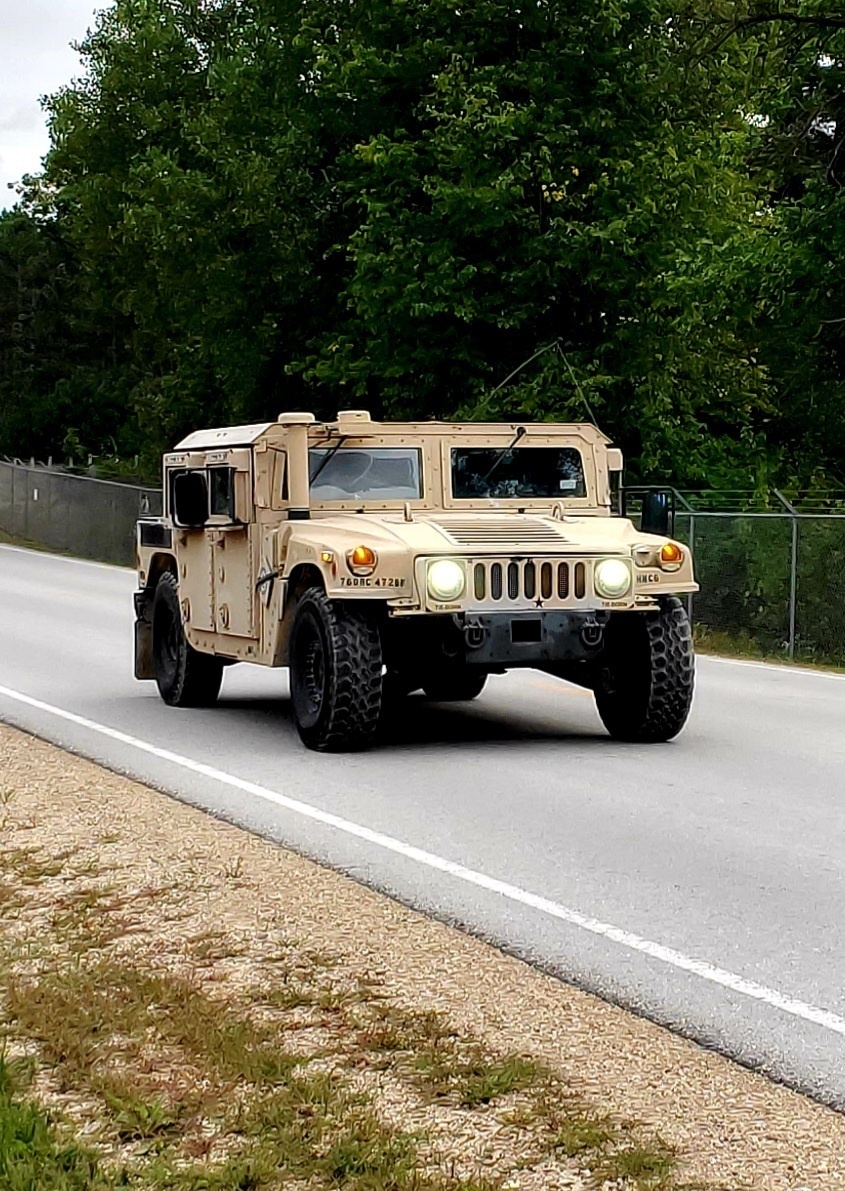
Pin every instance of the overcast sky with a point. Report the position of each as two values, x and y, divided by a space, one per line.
35 59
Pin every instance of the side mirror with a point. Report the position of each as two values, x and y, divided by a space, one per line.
190 499
657 513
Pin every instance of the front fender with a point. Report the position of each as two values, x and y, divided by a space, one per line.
326 556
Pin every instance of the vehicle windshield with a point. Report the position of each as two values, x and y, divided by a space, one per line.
480 472
366 473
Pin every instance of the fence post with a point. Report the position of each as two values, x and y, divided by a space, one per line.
793 572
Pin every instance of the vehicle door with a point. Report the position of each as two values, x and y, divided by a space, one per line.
187 498
233 536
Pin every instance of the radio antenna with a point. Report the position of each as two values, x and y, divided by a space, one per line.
555 344
541 351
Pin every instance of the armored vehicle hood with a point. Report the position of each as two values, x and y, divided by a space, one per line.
456 532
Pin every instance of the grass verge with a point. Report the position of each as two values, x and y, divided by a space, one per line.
726 645
32 1158
8 539
141 1054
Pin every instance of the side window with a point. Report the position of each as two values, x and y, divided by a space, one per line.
280 480
189 498
222 492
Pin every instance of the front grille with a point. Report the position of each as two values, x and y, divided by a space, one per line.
551 581
515 533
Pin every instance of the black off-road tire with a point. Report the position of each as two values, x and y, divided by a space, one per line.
644 683
335 673
455 684
185 678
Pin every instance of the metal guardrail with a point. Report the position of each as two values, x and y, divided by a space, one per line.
73 514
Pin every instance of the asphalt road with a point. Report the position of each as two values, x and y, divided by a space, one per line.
701 883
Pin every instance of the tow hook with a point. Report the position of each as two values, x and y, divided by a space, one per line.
474 635
591 634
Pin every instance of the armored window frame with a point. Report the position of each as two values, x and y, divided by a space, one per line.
589 503
180 474
381 448
221 493
492 459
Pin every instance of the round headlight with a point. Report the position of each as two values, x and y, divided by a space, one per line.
446 580
612 578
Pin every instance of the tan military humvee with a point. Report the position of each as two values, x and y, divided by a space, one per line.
375 559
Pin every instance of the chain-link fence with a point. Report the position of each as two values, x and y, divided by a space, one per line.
773 579
75 514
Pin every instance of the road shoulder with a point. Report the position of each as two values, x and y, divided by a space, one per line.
526 1082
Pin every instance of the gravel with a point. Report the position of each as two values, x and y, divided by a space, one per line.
731 1128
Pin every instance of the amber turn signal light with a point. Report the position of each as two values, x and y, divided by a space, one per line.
362 559
671 553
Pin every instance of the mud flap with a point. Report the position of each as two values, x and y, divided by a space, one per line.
144 664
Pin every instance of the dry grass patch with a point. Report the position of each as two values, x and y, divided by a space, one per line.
440 1063
192 1059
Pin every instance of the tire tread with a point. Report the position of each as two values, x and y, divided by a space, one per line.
354 695
198 675
656 709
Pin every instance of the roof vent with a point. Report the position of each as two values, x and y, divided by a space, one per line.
353 415
296 419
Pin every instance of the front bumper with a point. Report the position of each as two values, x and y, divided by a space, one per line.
530 638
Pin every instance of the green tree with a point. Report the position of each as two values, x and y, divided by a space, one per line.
55 374
797 160
554 173
276 204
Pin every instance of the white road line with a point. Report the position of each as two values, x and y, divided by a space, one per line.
676 959
78 562
800 671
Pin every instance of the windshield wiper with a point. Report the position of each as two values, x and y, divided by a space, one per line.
327 458
521 432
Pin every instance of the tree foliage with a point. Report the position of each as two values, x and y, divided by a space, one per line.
57 364
799 159
265 204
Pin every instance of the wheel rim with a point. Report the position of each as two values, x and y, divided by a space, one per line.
315 675
311 667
